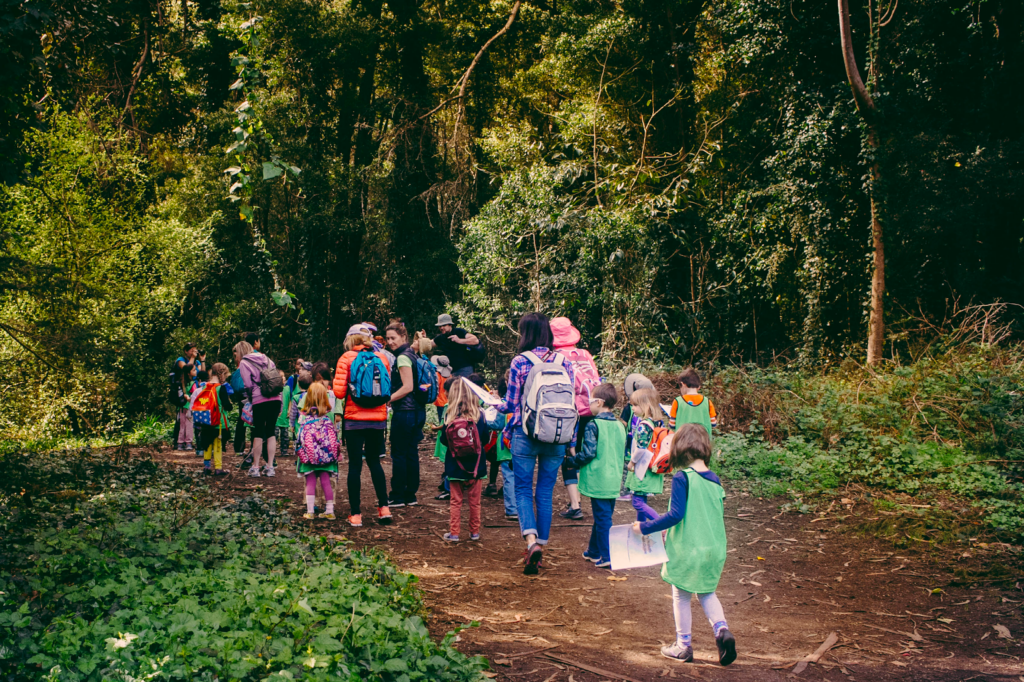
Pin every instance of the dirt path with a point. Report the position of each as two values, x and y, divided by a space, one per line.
790 581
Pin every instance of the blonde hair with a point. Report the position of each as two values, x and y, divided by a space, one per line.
645 404
462 402
423 346
220 370
690 443
242 348
317 399
353 341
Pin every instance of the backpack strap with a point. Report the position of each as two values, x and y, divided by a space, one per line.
532 357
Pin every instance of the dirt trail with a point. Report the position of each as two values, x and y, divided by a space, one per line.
789 582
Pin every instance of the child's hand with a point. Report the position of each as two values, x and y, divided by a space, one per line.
636 527
632 466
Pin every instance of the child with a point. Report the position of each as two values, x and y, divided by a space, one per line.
644 406
600 461
202 377
210 409
691 407
185 431
318 458
503 456
695 541
298 397
465 429
633 383
282 427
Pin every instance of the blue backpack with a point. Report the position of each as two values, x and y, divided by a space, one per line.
426 382
369 383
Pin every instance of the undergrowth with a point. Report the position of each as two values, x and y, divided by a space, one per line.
112 568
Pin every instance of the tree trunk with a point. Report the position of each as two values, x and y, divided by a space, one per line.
866 107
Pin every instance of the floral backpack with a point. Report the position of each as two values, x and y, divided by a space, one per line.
319 441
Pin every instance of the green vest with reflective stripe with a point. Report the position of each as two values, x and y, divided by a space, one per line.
693 414
602 476
696 545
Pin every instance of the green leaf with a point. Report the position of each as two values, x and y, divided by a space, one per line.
245 213
277 296
271 170
237 85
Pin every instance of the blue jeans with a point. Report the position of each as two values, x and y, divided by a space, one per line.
603 510
527 455
406 433
462 371
509 487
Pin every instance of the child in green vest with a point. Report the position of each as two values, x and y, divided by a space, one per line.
695 542
282 429
691 407
600 461
645 406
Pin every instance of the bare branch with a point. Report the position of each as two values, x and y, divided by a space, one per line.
865 104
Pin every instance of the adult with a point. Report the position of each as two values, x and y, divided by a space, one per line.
363 428
534 504
265 409
455 342
586 377
241 349
407 419
179 392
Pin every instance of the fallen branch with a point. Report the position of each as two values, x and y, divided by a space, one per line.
829 642
590 668
527 653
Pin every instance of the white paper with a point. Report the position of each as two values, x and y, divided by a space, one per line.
633 550
482 394
666 409
641 460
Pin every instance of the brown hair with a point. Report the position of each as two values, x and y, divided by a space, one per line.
220 370
241 349
398 328
690 443
645 404
305 379
317 399
353 341
690 378
607 394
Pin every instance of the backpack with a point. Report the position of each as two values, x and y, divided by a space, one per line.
271 381
426 389
464 445
206 406
175 392
319 442
237 382
585 378
661 446
475 355
369 383
548 402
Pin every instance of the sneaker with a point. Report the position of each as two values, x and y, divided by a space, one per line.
200 454
246 460
307 515
450 538
570 513
412 503
395 503
254 472
511 517
181 447
269 472
327 515
356 520
603 564
384 516
445 495
475 537
679 653
491 490
440 486
219 472
591 559
726 646
532 555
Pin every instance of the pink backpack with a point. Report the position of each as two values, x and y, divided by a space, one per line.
585 376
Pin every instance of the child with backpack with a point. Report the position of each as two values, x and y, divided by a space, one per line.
210 407
282 429
318 459
201 378
695 541
691 407
600 461
464 432
586 378
648 433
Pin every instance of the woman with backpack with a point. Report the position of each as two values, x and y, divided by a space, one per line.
241 349
409 416
263 384
362 379
541 400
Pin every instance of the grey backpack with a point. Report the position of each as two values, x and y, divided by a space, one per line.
549 401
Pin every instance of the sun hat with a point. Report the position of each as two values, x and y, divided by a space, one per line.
444 319
634 382
444 366
565 334
370 325
358 329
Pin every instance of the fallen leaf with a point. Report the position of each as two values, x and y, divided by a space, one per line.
760 558
488 673
767 598
985 636
629 622
754 582
938 590
1003 631
603 632
900 663
947 621
846 500
617 579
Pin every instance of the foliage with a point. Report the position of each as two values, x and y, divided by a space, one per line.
114 568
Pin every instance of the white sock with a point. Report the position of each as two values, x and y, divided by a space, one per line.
310 503
330 506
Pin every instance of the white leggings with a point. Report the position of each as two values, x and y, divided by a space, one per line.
681 608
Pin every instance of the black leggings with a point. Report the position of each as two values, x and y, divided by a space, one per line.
368 443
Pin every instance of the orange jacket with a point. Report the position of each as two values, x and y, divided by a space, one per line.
442 395
354 412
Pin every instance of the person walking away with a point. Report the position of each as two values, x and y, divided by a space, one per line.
695 542
599 462
542 405
503 456
407 419
586 379
263 383
463 435
634 382
318 458
362 380
650 429
210 409
200 381
455 343
691 407
241 349
282 427
302 384
293 405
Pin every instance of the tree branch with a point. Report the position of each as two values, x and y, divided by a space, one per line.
865 104
472 65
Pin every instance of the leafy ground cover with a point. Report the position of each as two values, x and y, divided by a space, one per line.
112 567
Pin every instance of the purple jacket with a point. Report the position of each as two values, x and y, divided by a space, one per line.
250 368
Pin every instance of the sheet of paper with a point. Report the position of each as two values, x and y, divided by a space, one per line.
633 550
641 461
483 395
666 409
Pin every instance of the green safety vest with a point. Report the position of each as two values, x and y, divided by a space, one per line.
602 476
696 545
693 414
